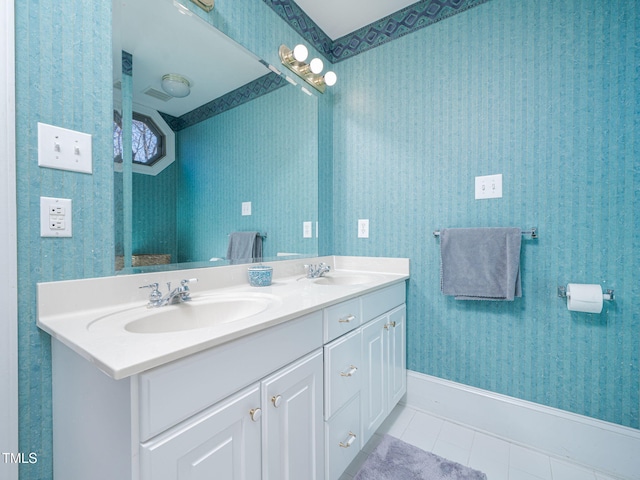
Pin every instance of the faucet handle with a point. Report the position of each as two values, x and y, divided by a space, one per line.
155 296
186 295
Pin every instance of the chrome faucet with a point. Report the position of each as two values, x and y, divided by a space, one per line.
177 295
315 271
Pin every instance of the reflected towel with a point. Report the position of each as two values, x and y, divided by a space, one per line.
480 263
244 246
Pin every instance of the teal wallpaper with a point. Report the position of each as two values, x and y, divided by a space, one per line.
63 77
154 213
546 93
263 152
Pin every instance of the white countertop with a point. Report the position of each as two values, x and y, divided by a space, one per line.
67 309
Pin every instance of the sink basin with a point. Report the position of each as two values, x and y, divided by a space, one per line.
343 280
200 312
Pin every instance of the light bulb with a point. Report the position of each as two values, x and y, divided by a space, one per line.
330 78
316 65
300 53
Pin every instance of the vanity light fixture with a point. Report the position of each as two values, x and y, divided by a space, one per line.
206 5
176 85
311 73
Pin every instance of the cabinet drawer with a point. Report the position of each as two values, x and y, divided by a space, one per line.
342 439
376 303
342 371
173 392
341 318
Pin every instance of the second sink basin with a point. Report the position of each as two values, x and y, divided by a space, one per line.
200 312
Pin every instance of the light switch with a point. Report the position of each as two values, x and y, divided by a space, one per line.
55 217
246 208
489 186
64 149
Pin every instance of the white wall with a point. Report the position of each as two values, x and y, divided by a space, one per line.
8 264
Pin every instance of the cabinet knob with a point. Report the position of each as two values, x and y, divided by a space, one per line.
390 324
347 319
255 414
276 400
350 372
350 439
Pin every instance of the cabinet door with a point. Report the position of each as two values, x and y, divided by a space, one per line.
293 438
374 364
222 443
397 362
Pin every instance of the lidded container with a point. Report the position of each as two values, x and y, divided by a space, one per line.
260 275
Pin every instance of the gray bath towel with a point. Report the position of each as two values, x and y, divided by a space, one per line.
244 246
480 263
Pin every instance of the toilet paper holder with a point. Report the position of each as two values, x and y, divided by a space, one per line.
606 295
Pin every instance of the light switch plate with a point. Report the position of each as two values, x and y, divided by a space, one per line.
64 149
56 217
246 208
489 186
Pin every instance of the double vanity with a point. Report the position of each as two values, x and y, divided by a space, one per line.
287 381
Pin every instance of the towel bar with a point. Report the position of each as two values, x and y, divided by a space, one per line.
263 235
532 231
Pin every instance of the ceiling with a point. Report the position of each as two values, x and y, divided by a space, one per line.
211 61
338 18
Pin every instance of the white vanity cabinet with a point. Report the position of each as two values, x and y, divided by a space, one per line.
296 400
365 375
208 415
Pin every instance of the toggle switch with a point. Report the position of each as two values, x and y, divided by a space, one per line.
489 186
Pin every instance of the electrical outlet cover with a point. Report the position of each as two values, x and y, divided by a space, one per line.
56 219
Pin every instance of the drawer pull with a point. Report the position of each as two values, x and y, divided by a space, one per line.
350 372
276 400
350 439
390 324
255 414
347 319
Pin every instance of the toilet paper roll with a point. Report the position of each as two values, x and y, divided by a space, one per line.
583 297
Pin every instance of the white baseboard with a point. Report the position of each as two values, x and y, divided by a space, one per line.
603 446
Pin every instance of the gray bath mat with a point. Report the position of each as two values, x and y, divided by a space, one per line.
394 459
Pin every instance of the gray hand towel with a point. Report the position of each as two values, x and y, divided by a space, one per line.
244 246
480 263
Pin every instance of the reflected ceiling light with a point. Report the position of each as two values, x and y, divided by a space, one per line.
176 85
311 73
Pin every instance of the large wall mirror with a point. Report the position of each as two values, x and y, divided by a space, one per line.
188 166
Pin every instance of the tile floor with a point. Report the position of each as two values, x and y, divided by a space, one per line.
499 459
